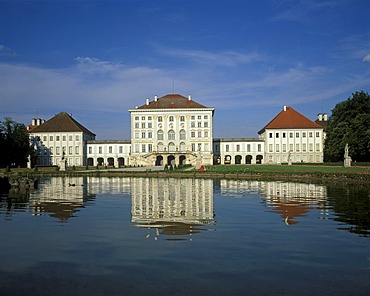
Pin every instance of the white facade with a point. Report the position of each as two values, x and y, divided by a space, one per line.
108 153
53 146
238 151
300 145
171 135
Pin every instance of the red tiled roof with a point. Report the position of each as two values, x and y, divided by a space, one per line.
172 101
61 122
290 119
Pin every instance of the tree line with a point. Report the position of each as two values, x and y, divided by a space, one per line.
349 124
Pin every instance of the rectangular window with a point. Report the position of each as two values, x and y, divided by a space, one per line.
206 124
45 138
192 124
100 150
291 147
77 149
317 147
64 138
199 134
297 147
70 150
199 146
317 134
199 117
51 150
248 148
90 150
51 138
303 135
149 118
70 138
143 148
193 117
205 116
136 135
284 135
311 147
57 151
193 134
284 147
182 118
143 125
237 148
136 117
149 125
227 148
270 135
150 135
297 135
110 149
199 124
57 138
137 147
304 146
277 135
150 147
120 149
310 134
206 134
259 148
143 118
136 125
277 148
270 148
143 135
291 135
193 147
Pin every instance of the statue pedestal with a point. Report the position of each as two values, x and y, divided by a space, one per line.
289 162
347 162
63 165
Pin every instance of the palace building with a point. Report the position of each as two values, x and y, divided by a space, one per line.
176 130
172 130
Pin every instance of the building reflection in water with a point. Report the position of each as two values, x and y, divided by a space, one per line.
175 208
60 197
290 200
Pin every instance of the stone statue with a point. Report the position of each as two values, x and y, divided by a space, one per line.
347 158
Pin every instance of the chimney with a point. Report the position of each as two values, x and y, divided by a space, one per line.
284 108
325 117
189 97
33 121
155 98
147 101
319 117
38 121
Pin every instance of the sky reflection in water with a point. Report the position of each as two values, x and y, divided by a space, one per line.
144 236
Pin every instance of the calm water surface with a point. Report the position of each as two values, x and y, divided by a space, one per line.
144 236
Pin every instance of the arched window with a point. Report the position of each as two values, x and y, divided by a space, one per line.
160 135
171 118
171 146
182 134
160 119
160 147
182 146
171 135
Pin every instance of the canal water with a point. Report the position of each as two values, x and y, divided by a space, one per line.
151 236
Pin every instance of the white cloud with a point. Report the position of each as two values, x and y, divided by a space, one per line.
5 51
226 58
366 58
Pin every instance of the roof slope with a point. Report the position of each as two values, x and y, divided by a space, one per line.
289 118
61 122
172 101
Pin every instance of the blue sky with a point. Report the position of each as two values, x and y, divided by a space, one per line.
247 59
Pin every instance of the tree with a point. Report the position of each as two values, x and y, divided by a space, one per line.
349 123
14 143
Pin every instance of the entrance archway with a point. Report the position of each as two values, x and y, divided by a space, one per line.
100 161
90 161
182 159
238 159
159 160
259 159
248 159
121 162
171 160
111 161
227 159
